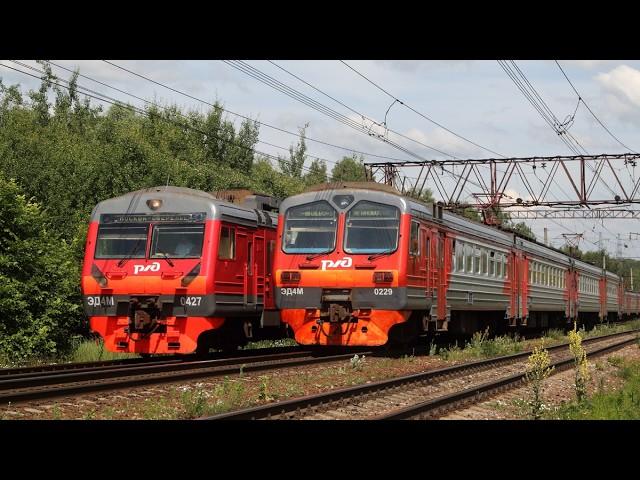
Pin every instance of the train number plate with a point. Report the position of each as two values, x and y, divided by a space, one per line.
100 301
292 291
190 301
383 291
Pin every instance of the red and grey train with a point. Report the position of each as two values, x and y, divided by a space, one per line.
176 270
360 264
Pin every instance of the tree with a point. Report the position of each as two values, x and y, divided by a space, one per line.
349 169
294 165
39 303
523 229
426 196
317 173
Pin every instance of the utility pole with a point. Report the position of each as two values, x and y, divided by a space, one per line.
632 279
546 239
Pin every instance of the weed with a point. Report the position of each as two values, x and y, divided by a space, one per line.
407 358
194 403
229 395
282 342
615 361
538 369
264 393
581 366
93 351
555 335
357 362
56 413
90 415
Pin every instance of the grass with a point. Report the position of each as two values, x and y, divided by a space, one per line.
481 346
94 351
281 342
623 404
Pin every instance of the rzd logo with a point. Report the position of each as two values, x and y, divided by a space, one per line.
154 267
346 262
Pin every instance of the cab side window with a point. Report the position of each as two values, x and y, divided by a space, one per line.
414 240
227 247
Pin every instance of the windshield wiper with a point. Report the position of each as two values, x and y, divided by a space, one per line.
385 252
128 257
166 257
311 257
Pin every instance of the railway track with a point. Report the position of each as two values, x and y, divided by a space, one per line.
423 395
26 385
86 366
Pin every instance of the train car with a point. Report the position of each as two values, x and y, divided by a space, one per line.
177 270
360 264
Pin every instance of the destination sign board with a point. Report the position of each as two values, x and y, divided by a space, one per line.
115 218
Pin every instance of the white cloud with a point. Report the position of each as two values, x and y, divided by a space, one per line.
624 82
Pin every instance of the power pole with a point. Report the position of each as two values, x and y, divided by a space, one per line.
546 239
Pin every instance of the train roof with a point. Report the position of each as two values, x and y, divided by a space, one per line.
182 200
370 191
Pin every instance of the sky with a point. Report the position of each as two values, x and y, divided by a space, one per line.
475 99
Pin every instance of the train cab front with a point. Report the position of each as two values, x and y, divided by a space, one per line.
144 280
338 269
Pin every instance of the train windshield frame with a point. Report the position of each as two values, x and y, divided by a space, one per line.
178 240
123 240
310 228
371 227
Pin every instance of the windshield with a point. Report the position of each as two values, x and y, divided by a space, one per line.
310 228
371 228
177 241
119 241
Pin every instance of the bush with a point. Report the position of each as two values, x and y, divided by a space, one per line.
39 282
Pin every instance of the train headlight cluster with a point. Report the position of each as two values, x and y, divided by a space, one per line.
382 277
290 277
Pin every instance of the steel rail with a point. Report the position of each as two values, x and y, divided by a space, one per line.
6 373
291 408
64 384
439 405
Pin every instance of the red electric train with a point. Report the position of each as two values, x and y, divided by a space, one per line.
360 264
176 270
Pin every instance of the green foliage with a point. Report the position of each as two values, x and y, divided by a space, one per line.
538 369
94 351
523 229
481 346
349 169
317 173
194 402
623 404
294 164
39 303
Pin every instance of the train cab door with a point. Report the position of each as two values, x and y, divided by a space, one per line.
515 309
437 279
250 274
259 270
245 270
425 258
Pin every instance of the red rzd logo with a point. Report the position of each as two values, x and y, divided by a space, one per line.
346 262
154 267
